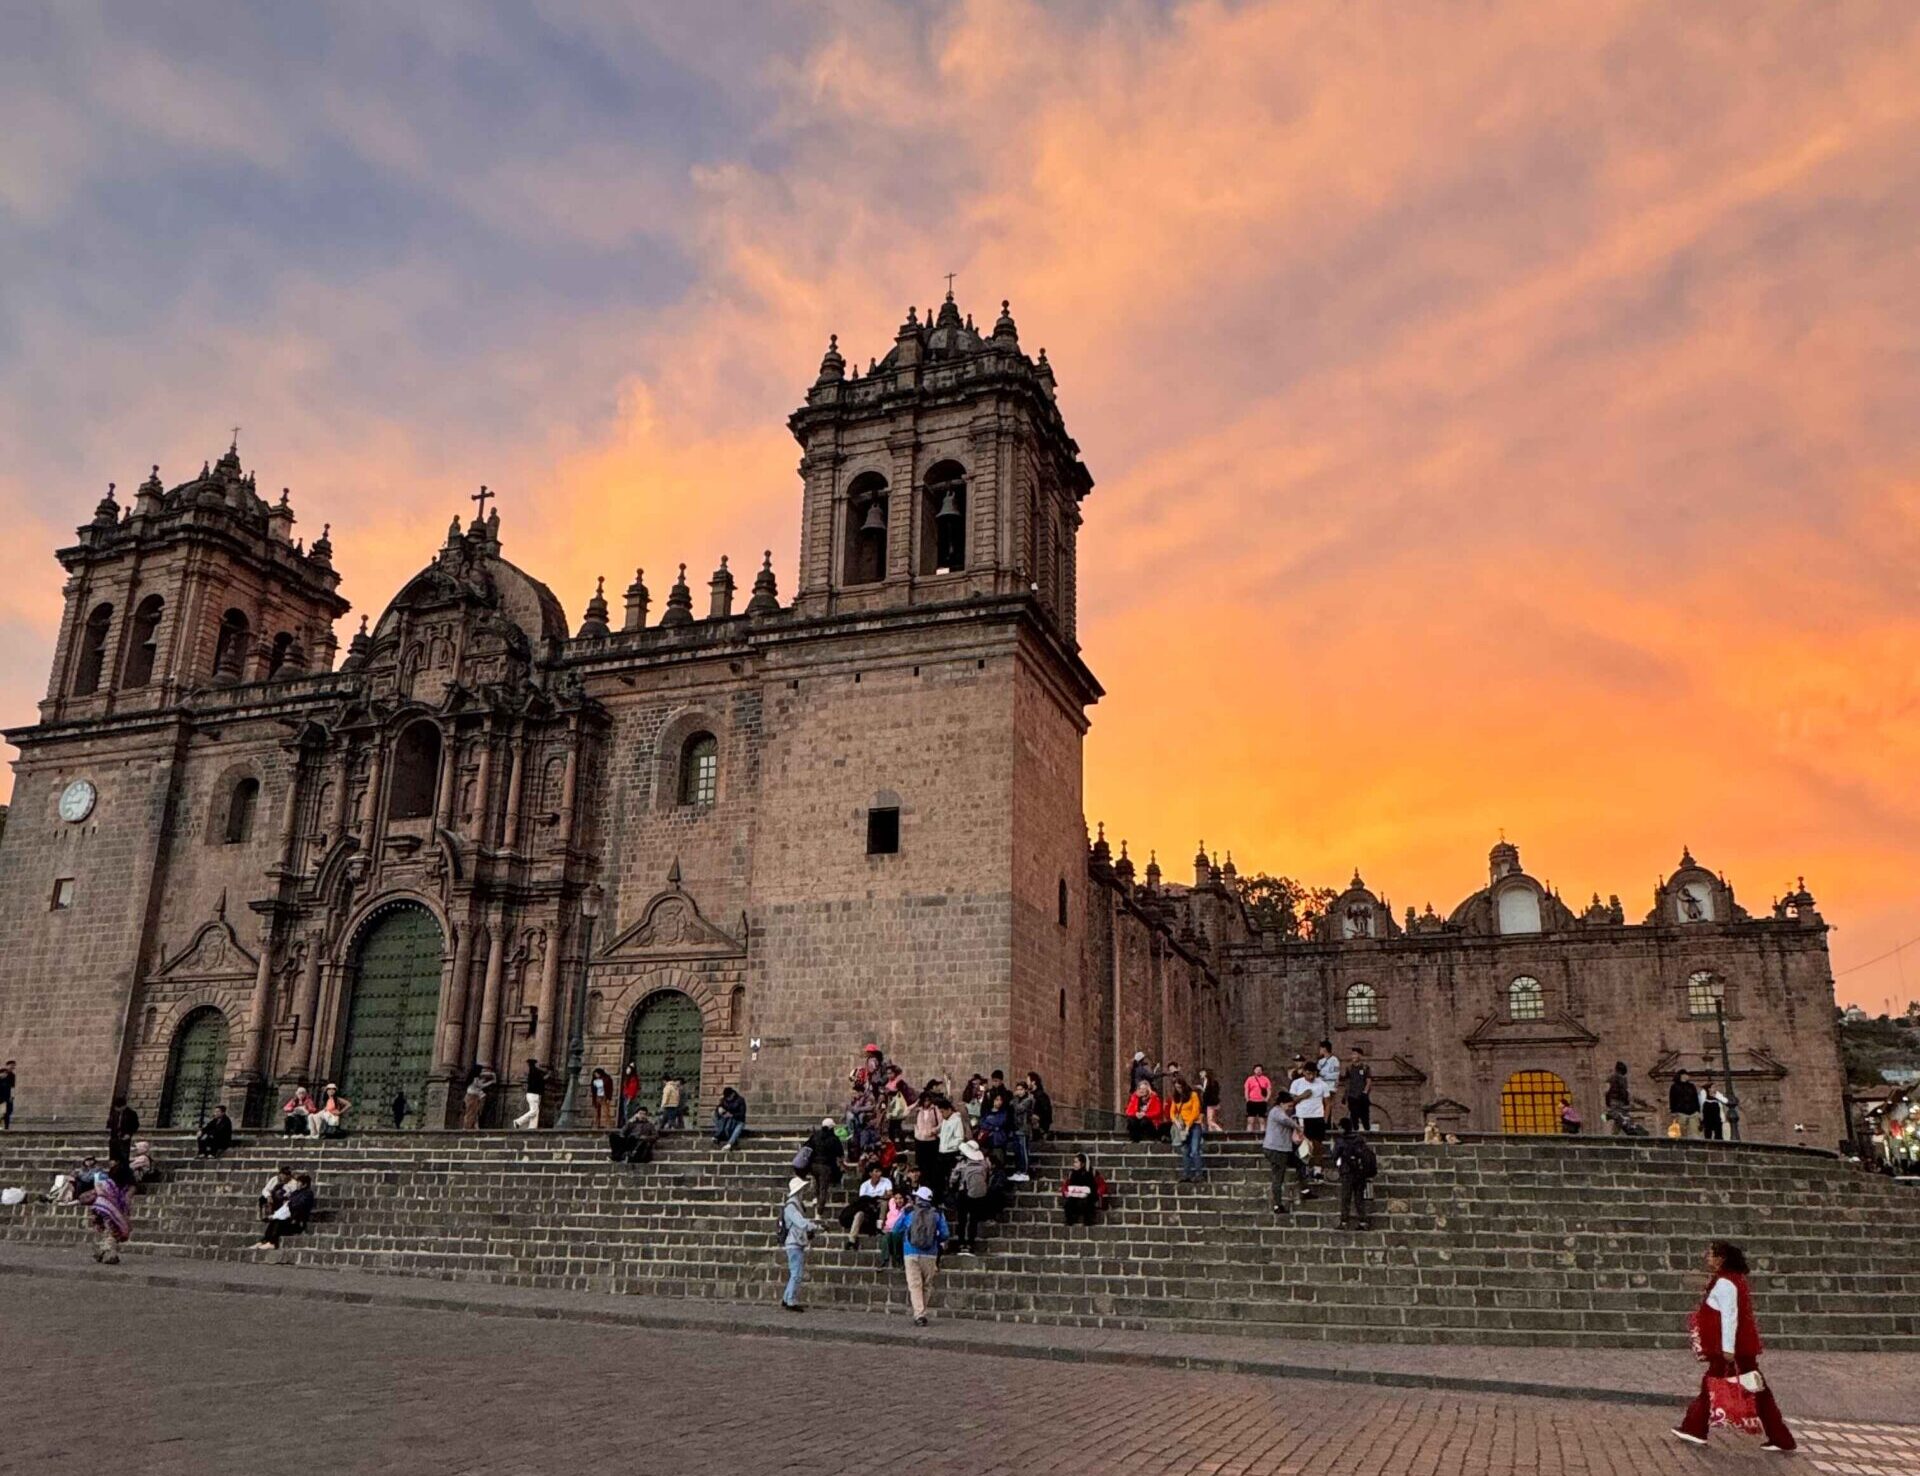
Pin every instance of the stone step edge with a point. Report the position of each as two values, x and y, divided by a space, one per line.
955 1334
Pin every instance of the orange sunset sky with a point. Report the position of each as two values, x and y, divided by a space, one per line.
1501 416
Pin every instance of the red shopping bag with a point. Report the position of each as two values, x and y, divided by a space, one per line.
1733 1406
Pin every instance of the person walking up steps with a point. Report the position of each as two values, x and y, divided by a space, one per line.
1282 1144
927 1231
799 1235
1354 1162
1258 1092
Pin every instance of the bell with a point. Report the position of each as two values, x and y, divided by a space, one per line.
876 519
949 505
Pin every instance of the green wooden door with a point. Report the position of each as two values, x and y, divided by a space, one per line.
196 1070
396 1000
665 1035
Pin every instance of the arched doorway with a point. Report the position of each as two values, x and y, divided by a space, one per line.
1530 1102
396 999
196 1069
665 1034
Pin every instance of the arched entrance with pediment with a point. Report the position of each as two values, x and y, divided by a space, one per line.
387 1042
666 1033
196 1069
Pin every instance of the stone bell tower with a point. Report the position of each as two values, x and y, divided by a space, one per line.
943 473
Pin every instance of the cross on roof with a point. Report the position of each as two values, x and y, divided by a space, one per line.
950 277
480 498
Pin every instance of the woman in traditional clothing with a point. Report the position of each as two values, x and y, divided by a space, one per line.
1727 1338
110 1209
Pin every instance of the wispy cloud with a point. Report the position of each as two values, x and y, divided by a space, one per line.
1500 417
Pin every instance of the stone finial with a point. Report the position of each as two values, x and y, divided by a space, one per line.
832 365
1003 328
636 602
1687 863
1356 885
1102 852
1229 871
359 648
1153 870
766 594
720 587
679 609
594 627
107 512
1123 865
322 550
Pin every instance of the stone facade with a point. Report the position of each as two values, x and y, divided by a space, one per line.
1463 1017
855 816
760 836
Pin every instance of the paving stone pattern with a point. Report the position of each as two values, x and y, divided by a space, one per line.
203 1383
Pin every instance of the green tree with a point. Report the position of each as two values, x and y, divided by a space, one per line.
1283 904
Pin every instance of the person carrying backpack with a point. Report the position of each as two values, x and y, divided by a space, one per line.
798 1232
1354 1161
926 1232
972 1180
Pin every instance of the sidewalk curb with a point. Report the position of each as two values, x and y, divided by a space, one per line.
619 1313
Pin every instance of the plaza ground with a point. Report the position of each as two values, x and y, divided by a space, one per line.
210 1375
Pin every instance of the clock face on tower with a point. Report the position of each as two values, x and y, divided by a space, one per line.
76 801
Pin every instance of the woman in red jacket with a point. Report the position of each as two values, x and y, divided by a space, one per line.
1146 1114
1727 1338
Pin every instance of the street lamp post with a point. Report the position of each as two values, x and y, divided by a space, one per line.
1719 988
577 1036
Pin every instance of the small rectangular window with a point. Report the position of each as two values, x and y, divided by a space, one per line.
883 832
62 894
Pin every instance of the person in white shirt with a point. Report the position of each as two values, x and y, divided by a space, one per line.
1309 1093
1727 1339
868 1207
1329 1067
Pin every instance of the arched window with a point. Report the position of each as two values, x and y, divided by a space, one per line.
1524 999
943 520
700 769
737 1010
1363 1005
282 644
93 651
1703 992
866 547
241 804
230 653
143 648
416 772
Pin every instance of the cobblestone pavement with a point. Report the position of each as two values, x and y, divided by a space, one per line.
207 1382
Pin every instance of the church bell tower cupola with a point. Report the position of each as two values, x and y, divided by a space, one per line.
943 473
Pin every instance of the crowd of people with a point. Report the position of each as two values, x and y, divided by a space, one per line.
928 1169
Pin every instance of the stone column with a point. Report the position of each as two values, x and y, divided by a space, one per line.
516 779
570 783
483 804
544 1034
453 1005
490 1003
449 763
308 1005
253 1061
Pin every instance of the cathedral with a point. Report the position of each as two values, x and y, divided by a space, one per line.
738 839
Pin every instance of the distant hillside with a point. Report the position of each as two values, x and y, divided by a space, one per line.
1870 1047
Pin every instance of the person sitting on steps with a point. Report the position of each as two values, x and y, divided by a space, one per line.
274 1192
292 1215
325 1123
633 1141
296 1110
729 1119
1083 1193
216 1134
1146 1114
864 1212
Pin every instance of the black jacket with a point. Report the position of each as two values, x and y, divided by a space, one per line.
826 1146
1683 1098
300 1205
536 1079
216 1134
733 1104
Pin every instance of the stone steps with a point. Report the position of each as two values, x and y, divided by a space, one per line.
1490 1241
